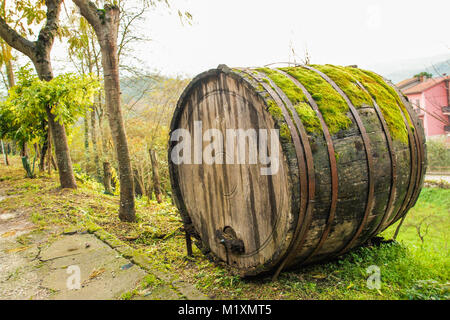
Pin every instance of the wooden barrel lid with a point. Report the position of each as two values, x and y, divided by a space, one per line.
232 201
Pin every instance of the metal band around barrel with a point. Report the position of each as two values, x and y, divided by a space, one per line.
298 150
392 156
333 165
368 149
298 242
419 152
413 171
413 151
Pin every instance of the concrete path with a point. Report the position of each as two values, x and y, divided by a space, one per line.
51 265
437 177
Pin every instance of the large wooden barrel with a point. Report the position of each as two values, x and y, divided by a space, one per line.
351 162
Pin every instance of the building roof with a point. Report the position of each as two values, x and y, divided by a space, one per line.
421 86
406 82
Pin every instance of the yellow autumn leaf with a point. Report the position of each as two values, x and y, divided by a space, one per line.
96 273
19 249
319 276
8 234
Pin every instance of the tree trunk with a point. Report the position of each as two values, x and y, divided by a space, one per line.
139 191
43 152
53 162
94 144
63 161
36 151
5 153
39 53
86 140
25 161
107 175
112 93
106 24
49 152
155 172
149 190
10 74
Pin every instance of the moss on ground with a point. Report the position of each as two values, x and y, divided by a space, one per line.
331 105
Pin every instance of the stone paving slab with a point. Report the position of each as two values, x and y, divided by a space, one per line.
40 270
34 264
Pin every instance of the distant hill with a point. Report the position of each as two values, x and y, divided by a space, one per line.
400 70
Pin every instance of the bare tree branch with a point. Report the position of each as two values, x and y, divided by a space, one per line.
15 40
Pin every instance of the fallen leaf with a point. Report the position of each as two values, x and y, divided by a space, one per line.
350 285
19 249
8 234
96 273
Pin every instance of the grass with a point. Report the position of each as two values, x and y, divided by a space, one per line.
410 268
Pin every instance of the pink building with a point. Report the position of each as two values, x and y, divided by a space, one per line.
431 100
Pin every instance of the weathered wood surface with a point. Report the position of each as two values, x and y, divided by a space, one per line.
316 206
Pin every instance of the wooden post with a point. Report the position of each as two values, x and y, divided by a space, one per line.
107 175
156 184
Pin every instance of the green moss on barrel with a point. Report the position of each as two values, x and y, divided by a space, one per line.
359 85
348 84
308 117
306 114
392 91
331 105
387 99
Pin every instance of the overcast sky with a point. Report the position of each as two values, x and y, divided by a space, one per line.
258 32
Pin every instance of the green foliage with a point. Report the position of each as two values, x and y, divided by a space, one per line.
31 12
23 115
429 290
423 74
438 155
27 167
